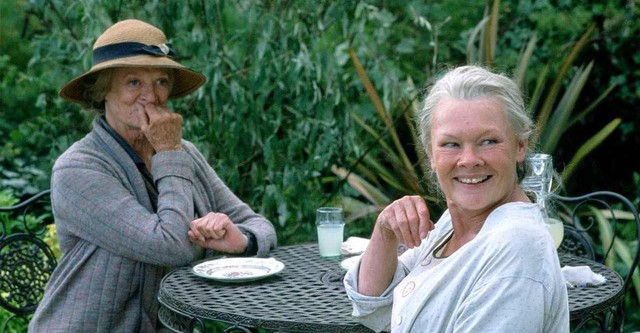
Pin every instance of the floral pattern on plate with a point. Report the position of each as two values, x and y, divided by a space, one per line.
238 269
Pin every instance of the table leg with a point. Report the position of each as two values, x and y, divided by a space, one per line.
236 328
178 323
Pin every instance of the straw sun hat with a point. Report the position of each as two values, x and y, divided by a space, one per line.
133 43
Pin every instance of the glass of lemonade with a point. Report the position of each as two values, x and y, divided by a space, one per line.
330 224
556 229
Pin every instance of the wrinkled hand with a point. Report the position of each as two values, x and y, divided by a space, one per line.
405 220
162 128
216 231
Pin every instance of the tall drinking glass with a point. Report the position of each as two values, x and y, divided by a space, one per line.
330 224
539 177
539 180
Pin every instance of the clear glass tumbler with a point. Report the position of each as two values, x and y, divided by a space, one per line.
330 225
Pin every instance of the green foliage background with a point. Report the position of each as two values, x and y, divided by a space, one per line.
282 93
283 100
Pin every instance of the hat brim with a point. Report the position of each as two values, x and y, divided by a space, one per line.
185 82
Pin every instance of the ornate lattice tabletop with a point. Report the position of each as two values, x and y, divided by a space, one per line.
308 296
593 300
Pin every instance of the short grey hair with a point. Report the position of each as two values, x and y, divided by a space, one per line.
472 82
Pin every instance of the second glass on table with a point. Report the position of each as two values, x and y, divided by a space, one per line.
330 224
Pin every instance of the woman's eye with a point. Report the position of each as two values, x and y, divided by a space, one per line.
489 141
134 82
163 82
450 145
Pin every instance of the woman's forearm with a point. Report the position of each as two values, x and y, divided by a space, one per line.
378 264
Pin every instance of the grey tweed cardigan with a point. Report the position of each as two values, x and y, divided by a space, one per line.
115 247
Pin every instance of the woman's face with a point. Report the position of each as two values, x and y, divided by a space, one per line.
474 152
131 89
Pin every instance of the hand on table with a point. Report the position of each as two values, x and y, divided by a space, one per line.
216 231
405 220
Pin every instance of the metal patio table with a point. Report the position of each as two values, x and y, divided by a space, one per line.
588 302
308 296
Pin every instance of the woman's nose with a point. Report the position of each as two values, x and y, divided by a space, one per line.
469 157
148 94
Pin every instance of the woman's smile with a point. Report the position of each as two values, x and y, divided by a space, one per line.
472 180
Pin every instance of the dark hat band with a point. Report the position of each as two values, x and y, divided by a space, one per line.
129 49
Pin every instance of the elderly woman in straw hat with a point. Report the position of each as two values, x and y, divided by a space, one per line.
132 198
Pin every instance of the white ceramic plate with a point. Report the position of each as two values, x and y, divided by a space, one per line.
238 269
347 263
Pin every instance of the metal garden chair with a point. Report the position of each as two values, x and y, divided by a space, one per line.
594 225
26 260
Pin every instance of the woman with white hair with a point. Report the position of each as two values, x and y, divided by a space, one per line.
488 264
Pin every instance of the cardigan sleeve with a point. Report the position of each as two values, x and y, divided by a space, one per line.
221 199
92 202
375 312
372 311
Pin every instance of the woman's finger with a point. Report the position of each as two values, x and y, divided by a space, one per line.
413 220
154 111
216 225
143 118
426 225
193 238
403 225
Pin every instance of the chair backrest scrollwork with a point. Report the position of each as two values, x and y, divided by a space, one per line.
602 226
26 260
